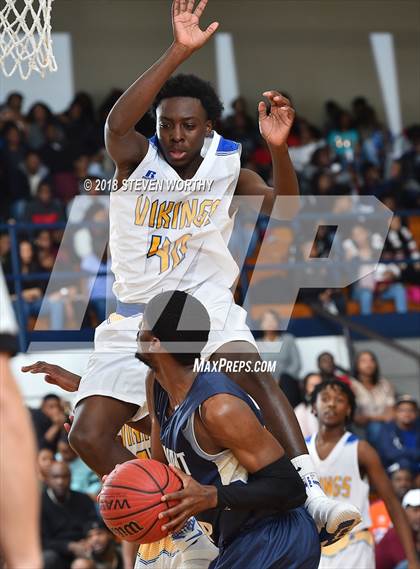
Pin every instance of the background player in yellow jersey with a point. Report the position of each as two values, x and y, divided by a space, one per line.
345 465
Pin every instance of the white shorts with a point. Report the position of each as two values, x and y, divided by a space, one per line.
112 369
354 551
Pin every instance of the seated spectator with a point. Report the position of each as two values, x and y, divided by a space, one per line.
399 440
389 551
83 479
408 169
373 183
32 292
281 348
304 413
400 245
329 370
344 140
45 460
44 208
53 152
375 397
70 183
383 283
402 482
34 170
5 251
64 515
309 142
102 548
48 421
98 286
39 116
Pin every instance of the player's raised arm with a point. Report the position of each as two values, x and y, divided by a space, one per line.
123 143
370 461
275 125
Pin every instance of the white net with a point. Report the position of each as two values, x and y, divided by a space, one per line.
25 37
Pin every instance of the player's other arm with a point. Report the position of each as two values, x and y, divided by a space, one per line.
123 143
370 462
157 448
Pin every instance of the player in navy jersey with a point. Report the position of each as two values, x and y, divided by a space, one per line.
210 431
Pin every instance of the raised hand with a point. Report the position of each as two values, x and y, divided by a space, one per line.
276 125
55 375
186 24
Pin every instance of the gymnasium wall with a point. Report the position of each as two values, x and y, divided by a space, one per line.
312 49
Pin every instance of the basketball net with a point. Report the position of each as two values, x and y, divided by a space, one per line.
25 37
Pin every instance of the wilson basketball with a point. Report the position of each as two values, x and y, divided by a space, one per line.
130 500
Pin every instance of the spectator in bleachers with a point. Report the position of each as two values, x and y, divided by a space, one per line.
375 397
310 141
44 462
399 440
12 109
400 245
239 126
69 184
281 348
48 421
64 515
102 548
304 413
34 170
44 208
383 283
373 183
408 169
402 482
374 138
33 291
389 552
329 370
38 117
344 140
83 479
53 152
98 286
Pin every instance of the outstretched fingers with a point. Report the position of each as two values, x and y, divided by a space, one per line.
176 9
200 8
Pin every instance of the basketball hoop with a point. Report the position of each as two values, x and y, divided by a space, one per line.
25 37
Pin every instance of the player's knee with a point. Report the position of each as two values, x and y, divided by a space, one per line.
85 440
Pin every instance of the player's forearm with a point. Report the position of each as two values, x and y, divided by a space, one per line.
402 527
285 183
138 98
275 487
18 482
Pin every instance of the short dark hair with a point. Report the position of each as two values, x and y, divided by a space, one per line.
50 396
336 383
165 312
322 354
183 85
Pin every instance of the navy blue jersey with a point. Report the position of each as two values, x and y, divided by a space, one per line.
182 449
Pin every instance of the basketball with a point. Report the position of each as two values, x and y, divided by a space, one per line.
130 500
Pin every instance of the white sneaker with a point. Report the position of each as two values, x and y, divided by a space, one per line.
333 519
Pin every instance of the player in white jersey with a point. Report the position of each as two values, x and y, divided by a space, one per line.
178 240
346 465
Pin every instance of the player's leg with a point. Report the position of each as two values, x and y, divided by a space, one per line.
97 422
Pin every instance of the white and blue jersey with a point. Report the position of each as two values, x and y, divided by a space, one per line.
247 539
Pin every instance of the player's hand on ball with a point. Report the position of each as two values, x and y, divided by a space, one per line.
194 498
55 375
276 125
186 24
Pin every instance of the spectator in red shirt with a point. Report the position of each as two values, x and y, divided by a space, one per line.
329 370
44 208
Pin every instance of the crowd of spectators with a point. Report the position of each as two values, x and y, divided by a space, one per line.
72 532
46 159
